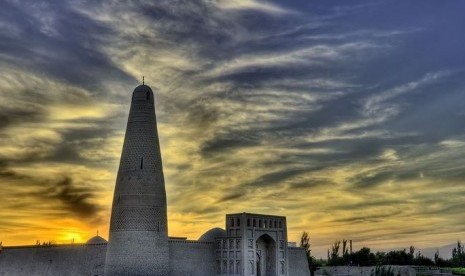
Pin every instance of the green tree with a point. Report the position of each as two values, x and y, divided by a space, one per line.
364 257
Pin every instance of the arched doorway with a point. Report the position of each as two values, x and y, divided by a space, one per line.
266 256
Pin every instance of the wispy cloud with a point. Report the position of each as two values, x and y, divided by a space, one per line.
349 126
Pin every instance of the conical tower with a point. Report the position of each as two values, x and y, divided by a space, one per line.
138 241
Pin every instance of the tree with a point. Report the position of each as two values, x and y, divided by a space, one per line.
335 249
345 250
305 244
458 255
412 250
333 255
364 257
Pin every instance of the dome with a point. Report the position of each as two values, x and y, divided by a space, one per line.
143 88
211 234
97 240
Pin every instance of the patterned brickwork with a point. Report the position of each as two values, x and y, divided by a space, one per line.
136 218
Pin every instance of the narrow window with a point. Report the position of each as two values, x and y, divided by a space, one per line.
232 222
231 267
248 222
218 267
141 163
254 223
238 222
148 96
118 198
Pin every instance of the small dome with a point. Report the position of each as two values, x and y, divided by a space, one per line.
211 234
97 240
143 88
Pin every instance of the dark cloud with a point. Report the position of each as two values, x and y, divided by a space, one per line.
311 182
276 178
368 218
232 196
372 203
227 143
371 180
76 199
53 38
6 172
15 116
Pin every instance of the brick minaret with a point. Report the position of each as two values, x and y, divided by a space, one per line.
138 240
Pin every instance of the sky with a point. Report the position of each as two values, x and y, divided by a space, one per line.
347 117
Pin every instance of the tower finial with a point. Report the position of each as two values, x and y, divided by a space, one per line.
143 81
97 233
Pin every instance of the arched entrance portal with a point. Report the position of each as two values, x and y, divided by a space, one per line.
266 256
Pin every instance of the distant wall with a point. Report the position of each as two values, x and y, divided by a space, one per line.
53 260
191 258
187 258
362 270
298 263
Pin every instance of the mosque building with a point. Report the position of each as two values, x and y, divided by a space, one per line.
250 244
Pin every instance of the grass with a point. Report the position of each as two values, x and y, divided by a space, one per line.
458 270
455 270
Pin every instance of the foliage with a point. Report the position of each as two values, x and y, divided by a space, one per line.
305 244
313 263
458 255
364 257
458 271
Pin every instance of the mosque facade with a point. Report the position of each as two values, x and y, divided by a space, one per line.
250 244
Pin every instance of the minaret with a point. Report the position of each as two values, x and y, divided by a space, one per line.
138 241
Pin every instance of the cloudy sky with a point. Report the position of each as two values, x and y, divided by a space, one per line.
348 117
